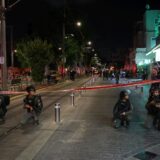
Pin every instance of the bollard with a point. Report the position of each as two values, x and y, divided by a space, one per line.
141 89
80 92
90 82
136 87
85 88
72 99
93 79
57 112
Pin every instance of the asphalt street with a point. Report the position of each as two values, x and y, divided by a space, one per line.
85 131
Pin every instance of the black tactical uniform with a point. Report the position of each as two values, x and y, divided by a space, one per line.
30 104
122 106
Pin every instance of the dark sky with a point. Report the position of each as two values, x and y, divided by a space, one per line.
109 22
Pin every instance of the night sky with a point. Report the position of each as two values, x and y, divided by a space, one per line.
109 23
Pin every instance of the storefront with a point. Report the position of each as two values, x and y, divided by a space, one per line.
154 65
142 62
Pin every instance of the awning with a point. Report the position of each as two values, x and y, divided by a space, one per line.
153 50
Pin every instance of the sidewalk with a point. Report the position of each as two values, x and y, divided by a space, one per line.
15 139
86 132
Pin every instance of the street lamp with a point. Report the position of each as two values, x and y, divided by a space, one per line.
63 39
59 48
79 24
89 43
15 51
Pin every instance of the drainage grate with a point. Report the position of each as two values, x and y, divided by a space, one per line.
146 155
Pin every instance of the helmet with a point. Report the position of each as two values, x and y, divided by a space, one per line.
30 88
155 89
123 94
128 91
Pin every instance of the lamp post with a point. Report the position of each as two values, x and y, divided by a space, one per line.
88 51
89 43
79 25
11 45
3 57
3 60
63 38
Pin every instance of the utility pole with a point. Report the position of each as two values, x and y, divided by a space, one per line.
3 55
3 60
11 42
63 39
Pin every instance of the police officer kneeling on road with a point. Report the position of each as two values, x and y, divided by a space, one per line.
122 110
33 106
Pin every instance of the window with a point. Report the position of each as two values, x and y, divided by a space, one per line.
156 21
153 42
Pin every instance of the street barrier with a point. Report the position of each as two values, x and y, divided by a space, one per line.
110 86
57 112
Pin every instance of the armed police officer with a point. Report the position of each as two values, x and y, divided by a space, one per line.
122 110
153 109
33 106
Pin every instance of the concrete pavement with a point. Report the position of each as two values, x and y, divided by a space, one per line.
15 139
86 132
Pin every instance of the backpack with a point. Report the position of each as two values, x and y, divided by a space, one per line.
7 100
3 108
38 104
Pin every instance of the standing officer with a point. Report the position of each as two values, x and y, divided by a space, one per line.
33 106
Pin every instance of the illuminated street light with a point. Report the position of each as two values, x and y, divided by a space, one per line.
15 51
72 35
79 24
89 43
59 48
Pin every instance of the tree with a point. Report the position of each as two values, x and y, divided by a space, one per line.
73 52
35 54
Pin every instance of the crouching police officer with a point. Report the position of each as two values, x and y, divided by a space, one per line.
153 109
33 106
122 110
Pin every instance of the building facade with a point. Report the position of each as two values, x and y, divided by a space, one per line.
152 23
146 54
